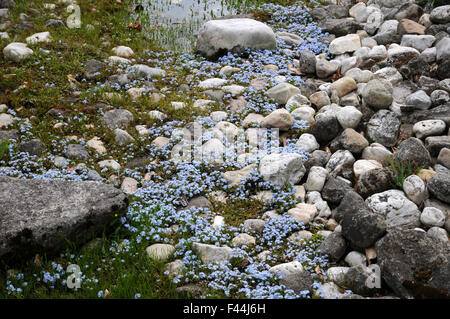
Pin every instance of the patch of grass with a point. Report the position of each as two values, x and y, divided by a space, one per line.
4 150
238 210
402 170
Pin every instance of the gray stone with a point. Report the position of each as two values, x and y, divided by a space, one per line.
438 233
444 157
210 254
440 14
77 152
117 119
282 92
93 68
443 49
375 181
414 264
144 71
293 276
413 150
39 215
307 62
419 42
334 246
419 100
33 147
378 93
383 128
439 186
434 144
335 190
340 163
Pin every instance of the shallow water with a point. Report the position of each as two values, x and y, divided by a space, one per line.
175 23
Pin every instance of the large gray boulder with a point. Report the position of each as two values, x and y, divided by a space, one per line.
414 264
220 36
40 215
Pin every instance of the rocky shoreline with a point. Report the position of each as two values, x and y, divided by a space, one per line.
323 145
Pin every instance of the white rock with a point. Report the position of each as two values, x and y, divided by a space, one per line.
355 258
281 168
362 166
415 188
280 119
212 83
419 42
347 43
233 89
17 51
216 35
97 145
432 216
316 179
307 142
119 60
41 37
349 116
123 51
427 128
129 185
377 152
5 120
438 233
282 92
112 164
398 210
243 240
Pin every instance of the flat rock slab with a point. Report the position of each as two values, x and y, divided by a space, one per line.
39 215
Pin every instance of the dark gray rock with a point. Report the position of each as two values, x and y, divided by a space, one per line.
356 279
375 181
326 128
199 202
441 112
7 3
340 27
34 147
334 190
93 68
434 144
307 62
9 135
383 128
409 11
414 264
443 69
415 67
439 185
40 215
117 119
350 203
317 158
413 150
55 23
334 246
362 227
77 152
216 95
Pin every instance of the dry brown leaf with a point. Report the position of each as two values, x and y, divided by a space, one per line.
371 254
